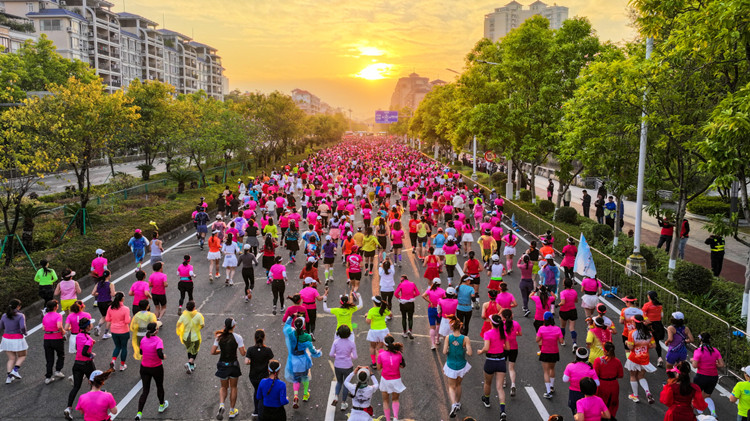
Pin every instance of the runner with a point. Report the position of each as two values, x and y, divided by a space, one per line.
185 285
277 274
139 326
551 274
71 323
344 313
378 329
258 357
84 363
451 257
465 294
456 347
157 248
489 309
609 369
298 364
569 258
707 360
103 292
310 298
97 404
13 325
640 340
548 336
271 393
626 317
544 302
354 268
472 268
53 342
678 337
369 244
361 393
189 327
526 266
214 255
139 290
397 241
230 249
269 254
590 406
68 290
495 272
390 361
137 244
432 295
591 288
152 349
681 396
741 395
569 313
495 346
598 335
118 323
509 252
247 260
653 312
387 285
406 293
329 257
512 331
158 283
343 353
574 373
46 279
226 345
291 240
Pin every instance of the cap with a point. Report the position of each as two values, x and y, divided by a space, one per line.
310 259
451 238
376 299
309 280
329 238
247 247
450 291
219 217
67 273
601 308
99 252
582 353
746 370
548 315
436 281
549 257
217 231
95 373
677 315
137 231
495 258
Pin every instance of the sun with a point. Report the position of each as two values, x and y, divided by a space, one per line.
375 71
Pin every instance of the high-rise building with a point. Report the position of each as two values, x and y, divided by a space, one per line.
306 101
122 47
14 31
504 19
411 90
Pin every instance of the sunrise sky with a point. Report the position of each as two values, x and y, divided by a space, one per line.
337 49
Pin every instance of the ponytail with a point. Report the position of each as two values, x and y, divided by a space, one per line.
705 338
392 346
13 308
507 314
117 300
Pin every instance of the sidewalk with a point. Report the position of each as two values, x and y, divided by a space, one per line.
695 251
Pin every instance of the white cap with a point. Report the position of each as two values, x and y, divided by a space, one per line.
247 247
450 291
436 281
495 257
677 315
549 256
94 374
329 238
746 370
309 280
99 252
311 259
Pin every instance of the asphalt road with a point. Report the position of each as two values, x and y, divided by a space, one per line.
55 183
195 397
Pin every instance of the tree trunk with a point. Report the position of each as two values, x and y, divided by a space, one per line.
532 182
111 165
743 196
27 237
146 172
680 215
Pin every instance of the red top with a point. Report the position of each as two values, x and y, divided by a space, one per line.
472 267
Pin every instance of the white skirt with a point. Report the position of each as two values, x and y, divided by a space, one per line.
214 255
13 345
439 252
377 335
230 260
467 238
509 250
631 366
589 301
445 327
454 374
72 343
392 386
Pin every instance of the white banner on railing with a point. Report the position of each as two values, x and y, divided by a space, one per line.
584 264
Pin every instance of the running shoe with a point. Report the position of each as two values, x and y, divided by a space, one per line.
231 283
68 414
454 411
59 375
552 390
274 310
512 391
70 379
547 395
220 414
404 335
15 374
306 396
233 412
123 367
526 312
503 416
106 336
486 401
575 346
650 398
432 347
660 362
97 330
226 282
163 407
247 300
563 344
296 402
344 406
49 380
410 335
179 311
187 368
335 402
634 398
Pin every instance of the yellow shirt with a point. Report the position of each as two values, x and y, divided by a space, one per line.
370 243
359 239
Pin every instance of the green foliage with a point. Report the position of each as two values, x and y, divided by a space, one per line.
600 235
709 205
546 207
525 195
567 215
182 176
498 179
692 279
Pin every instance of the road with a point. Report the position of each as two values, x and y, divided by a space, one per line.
55 183
195 397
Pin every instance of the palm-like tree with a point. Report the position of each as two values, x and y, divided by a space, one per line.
182 176
29 212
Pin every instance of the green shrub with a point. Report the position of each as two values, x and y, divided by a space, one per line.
600 235
648 254
704 205
546 207
692 279
567 214
525 195
498 179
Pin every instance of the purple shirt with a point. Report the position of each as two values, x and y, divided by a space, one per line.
343 351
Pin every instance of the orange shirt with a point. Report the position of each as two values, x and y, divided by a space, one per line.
652 312
639 352
348 246
214 244
544 251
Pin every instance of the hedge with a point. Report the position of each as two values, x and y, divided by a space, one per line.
567 215
708 205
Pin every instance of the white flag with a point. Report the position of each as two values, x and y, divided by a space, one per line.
584 264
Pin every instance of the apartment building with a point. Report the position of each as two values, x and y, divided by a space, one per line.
122 47
411 90
504 19
306 101
14 31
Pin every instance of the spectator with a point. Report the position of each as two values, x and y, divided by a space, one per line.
610 212
566 197
684 236
586 203
550 190
665 237
599 205
716 242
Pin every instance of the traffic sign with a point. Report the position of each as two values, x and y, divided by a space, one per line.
385 117
489 156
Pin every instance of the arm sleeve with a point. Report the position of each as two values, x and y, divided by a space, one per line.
86 352
160 353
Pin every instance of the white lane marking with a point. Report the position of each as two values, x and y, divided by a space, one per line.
129 397
537 403
127 274
330 409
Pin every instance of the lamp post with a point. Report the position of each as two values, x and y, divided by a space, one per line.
474 163
509 182
636 262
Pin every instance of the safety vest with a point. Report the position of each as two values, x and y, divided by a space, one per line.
718 245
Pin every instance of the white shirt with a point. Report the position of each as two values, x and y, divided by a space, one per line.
386 280
496 270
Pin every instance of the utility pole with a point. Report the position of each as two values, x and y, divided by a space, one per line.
474 168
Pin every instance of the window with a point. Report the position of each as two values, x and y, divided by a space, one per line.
50 25
30 6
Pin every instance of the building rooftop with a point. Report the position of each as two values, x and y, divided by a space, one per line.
129 34
57 12
200 45
167 32
129 16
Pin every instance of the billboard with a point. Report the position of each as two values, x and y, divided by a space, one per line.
385 117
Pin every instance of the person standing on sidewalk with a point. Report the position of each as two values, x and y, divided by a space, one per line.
665 237
550 190
716 243
586 203
567 197
684 237
599 205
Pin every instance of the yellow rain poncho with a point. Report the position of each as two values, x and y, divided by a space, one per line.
189 328
138 330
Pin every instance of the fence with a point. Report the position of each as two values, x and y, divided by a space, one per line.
620 282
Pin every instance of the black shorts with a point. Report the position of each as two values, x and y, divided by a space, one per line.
398 246
511 355
382 242
328 260
226 371
569 315
413 238
355 276
657 329
159 299
422 240
706 383
492 366
549 358
368 254
475 279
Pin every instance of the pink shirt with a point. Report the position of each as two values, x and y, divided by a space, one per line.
497 343
119 319
513 335
450 249
67 290
309 297
590 284
398 236
391 363
139 289
447 306
278 271
576 371
95 405
591 407
526 271
82 340
569 295
355 262
550 336
149 345
50 323
407 290
538 310
184 271
73 319
504 299
435 295
157 281
98 265
707 361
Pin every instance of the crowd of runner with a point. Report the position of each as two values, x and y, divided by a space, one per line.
347 213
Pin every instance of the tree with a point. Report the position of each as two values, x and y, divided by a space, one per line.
182 176
151 131
402 126
200 116
29 212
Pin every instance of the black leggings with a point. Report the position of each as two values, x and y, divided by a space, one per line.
52 347
387 296
256 401
407 314
103 306
465 318
569 272
81 369
450 269
148 373
185 286
277 287
312 314
248 275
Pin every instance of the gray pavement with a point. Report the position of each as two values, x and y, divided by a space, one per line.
195 397
55 183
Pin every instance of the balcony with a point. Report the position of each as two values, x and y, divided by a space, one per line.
115 83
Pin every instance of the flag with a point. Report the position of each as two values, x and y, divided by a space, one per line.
584 264
513 223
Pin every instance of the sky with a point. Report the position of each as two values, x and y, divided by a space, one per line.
350 53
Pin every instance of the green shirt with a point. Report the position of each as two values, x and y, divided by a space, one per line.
47 279
741 391
377 322
344 316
